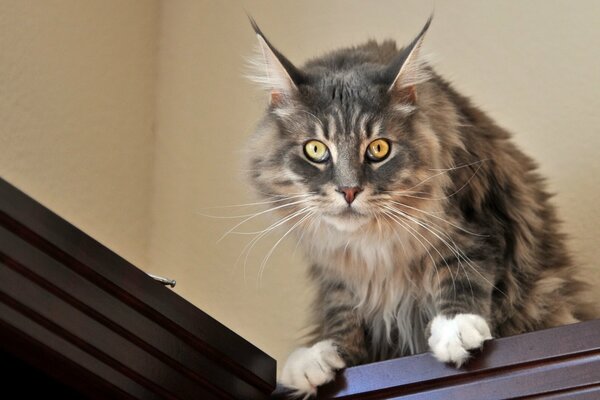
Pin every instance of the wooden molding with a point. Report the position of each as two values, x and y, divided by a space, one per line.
78 312
555 362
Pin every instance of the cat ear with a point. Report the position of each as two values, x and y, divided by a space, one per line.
273 71
408 70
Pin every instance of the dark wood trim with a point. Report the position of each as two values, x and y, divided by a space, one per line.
87 309
551 361
570 348
557 363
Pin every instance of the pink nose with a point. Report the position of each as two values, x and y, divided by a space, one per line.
349 193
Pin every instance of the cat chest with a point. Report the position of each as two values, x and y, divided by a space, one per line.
381 279
395 319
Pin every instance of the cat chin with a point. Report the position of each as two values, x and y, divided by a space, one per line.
346 223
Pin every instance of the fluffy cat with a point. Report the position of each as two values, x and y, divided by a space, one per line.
426 227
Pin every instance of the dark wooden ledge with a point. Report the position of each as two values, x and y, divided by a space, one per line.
77 313
555 363
558 363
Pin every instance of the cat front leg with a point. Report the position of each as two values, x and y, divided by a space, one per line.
339 343
310 367
463 308
452 337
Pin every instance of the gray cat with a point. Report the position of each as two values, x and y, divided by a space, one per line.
427 228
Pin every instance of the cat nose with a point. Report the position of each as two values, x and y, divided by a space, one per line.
349 192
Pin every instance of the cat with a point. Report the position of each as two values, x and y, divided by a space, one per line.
426 227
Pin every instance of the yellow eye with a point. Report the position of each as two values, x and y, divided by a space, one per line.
378 150
316 151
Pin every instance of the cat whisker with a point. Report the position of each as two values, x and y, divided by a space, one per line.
403 192
258 203
408 276
267 194
310 221
250 245
443 197
262 213
462 259
378 222
460 166
425 225
266 259
457 251
439 218
406 228
427 179
393 210
454 249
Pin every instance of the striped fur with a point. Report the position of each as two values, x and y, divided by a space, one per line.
455 221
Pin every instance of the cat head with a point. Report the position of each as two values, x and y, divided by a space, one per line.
346 135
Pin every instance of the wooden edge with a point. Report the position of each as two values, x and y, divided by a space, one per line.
500 359
68 370
503 353
71 247
77 295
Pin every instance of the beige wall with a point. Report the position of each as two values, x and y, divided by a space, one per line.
76 128
76 112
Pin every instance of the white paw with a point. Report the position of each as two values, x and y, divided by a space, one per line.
309 367
452 338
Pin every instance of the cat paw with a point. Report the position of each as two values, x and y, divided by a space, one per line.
309 367
452 338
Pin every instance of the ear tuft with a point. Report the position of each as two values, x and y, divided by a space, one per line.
409 69
272 70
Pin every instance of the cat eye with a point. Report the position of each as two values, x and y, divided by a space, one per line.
316 151
378 150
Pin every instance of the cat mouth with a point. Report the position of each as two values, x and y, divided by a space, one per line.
347 220
349 212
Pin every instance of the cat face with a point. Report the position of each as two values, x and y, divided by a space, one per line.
343 140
